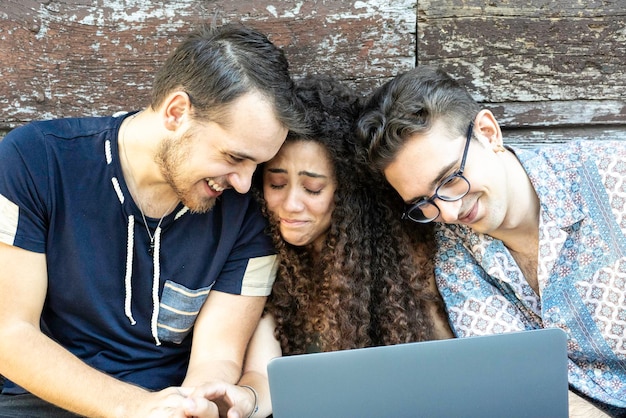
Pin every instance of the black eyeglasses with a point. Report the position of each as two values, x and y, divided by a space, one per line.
452 188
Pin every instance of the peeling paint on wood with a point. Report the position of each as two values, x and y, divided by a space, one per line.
561 113
83 57
537 62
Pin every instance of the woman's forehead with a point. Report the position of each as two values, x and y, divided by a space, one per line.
301 152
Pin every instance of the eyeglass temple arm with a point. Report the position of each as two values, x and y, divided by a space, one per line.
470 130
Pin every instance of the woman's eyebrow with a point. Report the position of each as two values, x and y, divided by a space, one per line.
311 174
278 170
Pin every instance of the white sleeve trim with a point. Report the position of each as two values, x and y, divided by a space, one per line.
259 276
9 215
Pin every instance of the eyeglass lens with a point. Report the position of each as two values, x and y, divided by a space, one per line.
453 188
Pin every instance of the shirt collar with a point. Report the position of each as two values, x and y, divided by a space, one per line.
555 179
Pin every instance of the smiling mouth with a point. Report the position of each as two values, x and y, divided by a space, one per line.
214 186
469 215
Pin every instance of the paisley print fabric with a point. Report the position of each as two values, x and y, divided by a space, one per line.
581 271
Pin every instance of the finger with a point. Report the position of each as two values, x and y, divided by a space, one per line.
235 412
200 407
210 391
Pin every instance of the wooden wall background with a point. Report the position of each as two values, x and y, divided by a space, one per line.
89 57
551 70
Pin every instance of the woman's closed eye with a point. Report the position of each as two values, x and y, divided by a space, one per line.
313 192
314 186
277 186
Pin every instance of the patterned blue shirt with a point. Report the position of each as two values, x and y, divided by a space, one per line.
581 271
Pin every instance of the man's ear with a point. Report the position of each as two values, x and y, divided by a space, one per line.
487 129
176 107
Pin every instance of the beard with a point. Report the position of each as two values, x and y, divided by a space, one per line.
171 158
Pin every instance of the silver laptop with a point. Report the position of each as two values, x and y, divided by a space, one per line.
514 375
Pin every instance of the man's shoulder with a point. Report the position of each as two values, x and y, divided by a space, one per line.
570 155
581 149
236 216
36 142
232 203
66 128
600 154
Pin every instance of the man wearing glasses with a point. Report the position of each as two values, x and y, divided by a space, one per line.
526 239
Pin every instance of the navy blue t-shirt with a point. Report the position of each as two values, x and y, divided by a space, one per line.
62 193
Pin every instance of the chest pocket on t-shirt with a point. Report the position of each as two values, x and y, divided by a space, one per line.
178 311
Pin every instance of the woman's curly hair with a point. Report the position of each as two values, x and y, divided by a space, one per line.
369 285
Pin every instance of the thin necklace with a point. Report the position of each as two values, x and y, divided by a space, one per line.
132 177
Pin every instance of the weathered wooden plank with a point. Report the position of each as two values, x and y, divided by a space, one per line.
533 137
83 57
559 113
564 58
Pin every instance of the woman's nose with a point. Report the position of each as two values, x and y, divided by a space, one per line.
292 202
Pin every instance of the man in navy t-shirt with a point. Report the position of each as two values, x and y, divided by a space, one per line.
133 262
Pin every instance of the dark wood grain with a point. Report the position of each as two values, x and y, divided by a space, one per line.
537 63
71 58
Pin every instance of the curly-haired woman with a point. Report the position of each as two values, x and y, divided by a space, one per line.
348 276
